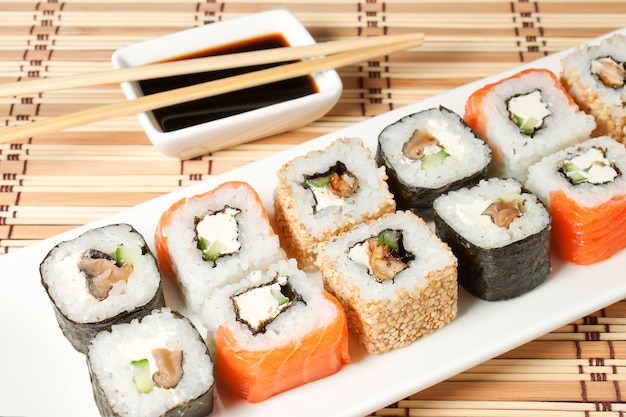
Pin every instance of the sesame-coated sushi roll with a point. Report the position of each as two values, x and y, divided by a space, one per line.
105 276
595 76
276 330
156 366
584 188
395 279
215 238
500 234
326 192
428 153
525 117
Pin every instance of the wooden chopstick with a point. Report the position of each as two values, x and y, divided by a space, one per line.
211 63
207 89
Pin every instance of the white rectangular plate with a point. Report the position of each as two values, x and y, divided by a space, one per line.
42 375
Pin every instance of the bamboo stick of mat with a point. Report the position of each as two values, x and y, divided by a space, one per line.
207 89
210 63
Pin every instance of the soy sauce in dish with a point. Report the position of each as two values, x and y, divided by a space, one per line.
208 109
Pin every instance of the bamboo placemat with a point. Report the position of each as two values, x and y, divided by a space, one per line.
55 182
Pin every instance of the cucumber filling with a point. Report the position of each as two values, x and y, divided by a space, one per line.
528 112
332 187
164 369
141 375
259 306
217 233
591 166
383 255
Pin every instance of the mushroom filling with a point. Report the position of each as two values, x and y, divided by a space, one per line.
424 147
528 112
591 166
503 213
164 369
217 233
102 271
258 307
330 188
611 73
383 255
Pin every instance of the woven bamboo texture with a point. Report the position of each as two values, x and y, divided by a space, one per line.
54 182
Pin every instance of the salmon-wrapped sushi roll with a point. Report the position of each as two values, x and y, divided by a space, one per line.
274 331
326 192
595 76
215 238
525 117
396 280
585 190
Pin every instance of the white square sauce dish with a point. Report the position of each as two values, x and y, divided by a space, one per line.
201 126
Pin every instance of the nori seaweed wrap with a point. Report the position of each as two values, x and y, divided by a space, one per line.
429 153
155 366
500 234
103 277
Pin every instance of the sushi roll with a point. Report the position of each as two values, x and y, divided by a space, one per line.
395 279
584 188
428 153
156 366
326 192
213 239
595 76
276 330
500 234
105 276
525 117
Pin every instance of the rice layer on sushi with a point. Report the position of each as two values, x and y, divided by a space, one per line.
155 366
585 190
276 330
105 276
428 153
525 117
326 192
395 279
215 238
500 234
595 76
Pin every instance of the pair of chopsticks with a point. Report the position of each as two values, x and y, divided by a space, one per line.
322 57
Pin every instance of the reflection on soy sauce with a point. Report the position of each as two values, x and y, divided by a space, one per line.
224 105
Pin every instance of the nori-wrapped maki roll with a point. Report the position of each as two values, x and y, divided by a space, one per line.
429 153
103 277
155 366
500 234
